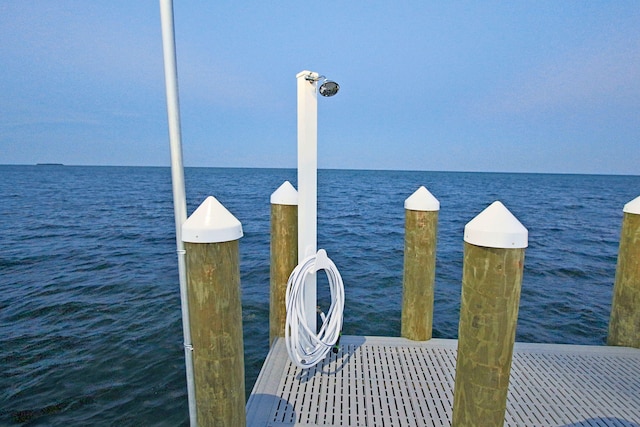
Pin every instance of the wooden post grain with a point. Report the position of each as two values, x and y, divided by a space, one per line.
624 324
491 282
284 254
421 230
211 237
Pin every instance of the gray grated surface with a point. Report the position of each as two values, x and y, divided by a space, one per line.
377 381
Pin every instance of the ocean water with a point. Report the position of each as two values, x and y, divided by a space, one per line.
90 324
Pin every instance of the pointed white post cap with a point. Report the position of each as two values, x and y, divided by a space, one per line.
496 227
422 200
211 223
285 195
633 207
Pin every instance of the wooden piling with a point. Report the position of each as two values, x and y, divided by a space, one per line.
624 323
211 237
491 282
421 230
284 254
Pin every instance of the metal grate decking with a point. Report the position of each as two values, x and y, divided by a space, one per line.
376 381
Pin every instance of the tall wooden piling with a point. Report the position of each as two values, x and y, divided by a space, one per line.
211 238
624 324
491 281
420 237
284 254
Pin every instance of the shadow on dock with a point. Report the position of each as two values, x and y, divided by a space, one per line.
334 363
603 422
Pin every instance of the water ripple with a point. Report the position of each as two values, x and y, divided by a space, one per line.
90 323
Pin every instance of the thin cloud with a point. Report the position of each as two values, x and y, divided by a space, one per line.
50 118
602 74
83 40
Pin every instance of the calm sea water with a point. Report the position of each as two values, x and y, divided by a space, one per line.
90 326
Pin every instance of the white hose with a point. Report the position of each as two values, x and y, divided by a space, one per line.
305 347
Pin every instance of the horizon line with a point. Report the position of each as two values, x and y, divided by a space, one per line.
321 168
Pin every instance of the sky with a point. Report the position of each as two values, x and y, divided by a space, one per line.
526 86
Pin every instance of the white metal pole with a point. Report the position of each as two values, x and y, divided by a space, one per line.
177 179
308 182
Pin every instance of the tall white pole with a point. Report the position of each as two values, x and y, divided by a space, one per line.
308 183
177 179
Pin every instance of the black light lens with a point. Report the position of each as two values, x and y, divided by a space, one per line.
329 88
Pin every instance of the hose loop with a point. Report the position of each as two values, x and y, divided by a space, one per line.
307 348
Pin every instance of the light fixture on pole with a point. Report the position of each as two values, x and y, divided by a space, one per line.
326 88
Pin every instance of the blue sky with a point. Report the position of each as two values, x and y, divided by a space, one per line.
531 86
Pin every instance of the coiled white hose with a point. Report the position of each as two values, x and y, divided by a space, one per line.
305 347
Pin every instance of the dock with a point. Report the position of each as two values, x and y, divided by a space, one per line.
383 381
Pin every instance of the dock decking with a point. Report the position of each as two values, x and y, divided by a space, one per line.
381 381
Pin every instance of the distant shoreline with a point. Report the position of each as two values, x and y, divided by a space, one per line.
293 168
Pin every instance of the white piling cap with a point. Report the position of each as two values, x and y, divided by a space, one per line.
285 195
496 227
633 207
422 200
211 223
